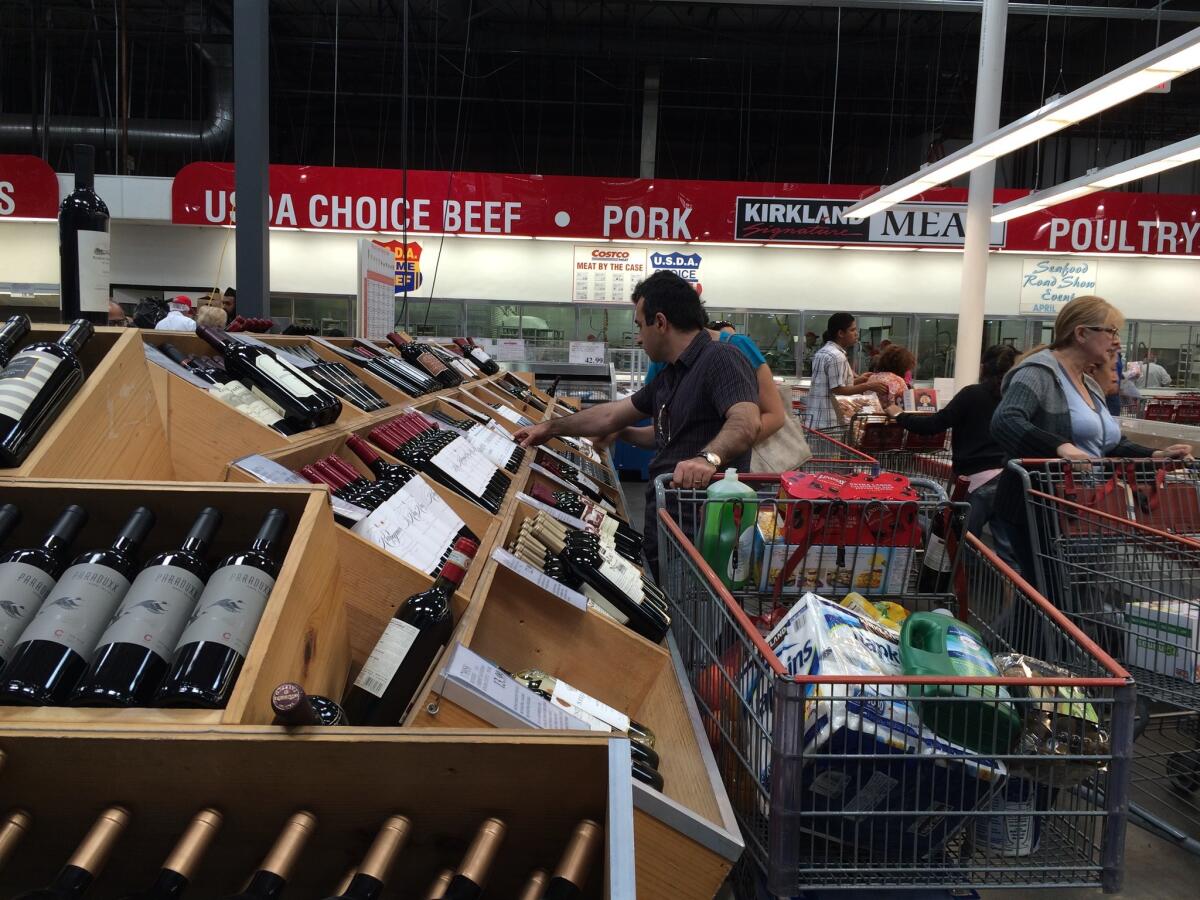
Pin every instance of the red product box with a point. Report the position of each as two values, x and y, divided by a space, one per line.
854 510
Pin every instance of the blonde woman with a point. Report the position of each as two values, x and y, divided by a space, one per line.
210 315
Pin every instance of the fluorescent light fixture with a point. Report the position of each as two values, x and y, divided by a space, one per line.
1161 65
1143 166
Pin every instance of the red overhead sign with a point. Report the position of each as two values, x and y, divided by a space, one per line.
585 208
28 188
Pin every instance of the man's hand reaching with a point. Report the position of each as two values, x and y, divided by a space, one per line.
534 435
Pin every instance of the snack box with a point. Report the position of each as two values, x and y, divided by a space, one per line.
1164 637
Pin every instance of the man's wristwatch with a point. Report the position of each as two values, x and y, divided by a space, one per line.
711 458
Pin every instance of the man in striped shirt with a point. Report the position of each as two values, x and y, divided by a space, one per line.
832 374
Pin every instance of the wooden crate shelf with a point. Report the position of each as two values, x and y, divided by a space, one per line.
541 786
302 634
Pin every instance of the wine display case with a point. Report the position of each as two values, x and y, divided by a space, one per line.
302 634
446 784
113 427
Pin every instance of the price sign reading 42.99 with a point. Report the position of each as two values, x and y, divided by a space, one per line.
588 353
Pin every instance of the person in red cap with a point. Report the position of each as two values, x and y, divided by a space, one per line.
179 315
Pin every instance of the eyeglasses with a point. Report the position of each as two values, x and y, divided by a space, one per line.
1111 331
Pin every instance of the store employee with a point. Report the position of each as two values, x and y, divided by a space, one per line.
704 404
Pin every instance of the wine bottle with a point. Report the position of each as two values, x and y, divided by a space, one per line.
296 708
478 356
83 245
572 872
558 691
937 563
469 878
271 878
417 356
35 387
439 885
217 637
534 886
179 868
28 575
403 440
305 403
12 829
211 375
643 773
87 861
15 330
384 471
406 650
56 646
373 872
133 653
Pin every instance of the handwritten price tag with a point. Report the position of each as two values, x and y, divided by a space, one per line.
414 524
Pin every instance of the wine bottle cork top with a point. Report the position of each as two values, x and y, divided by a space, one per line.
194 843
93 850
483 849
438 888
577 858
19 818
533 888
282 857
386 847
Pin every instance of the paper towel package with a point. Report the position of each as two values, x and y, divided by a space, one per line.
865 750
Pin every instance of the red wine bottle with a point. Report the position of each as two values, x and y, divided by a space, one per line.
217 637
268 882
133 653
384 471
15 330
404 440
296 708
937 562
372 875
87 861
572 872
420 380
438 888
211 375
619 583
56 646
534 886
27 575
35 386
481 359
305 403
416 355
14 827
402 656
178 868
83 245
472 872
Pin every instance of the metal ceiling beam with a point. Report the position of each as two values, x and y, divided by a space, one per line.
1041 10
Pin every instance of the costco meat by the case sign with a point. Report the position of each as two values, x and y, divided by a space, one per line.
667 211
28 188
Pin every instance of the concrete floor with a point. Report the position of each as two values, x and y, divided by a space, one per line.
1155 869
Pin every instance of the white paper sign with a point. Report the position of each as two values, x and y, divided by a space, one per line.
587 353
482 688
376 289
541 579
558 514
510 349
607 273
1047 285
497 449
414 525
466 465
507 412
270 472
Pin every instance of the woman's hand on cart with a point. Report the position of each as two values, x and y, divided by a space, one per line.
1070 452
1175 451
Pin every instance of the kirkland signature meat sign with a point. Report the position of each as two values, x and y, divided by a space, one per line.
590 209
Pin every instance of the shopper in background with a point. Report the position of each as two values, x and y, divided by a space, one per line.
116 315
179 316
229 303
213 316
1153 375
974 453
832 374
704 403
891 366
1052 408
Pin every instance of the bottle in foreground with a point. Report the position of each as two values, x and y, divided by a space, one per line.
571 875
272 876
35 387
56 646
83 245
12 829
87 861
179 868
438 888
133 653
534 886
471 876
217 637
14 330
28 575
372 875
296 708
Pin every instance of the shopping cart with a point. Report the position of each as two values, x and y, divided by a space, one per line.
903 451
832 455
901 809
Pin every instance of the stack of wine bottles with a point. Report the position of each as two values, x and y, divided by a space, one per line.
474 353
445 456
366 881
612 530
516 454
106 631
36 384
427 358
569 474
395 370
340 380
515 387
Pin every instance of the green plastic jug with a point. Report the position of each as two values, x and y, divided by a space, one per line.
727 534
978 717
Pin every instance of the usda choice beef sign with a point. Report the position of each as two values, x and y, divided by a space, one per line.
824 221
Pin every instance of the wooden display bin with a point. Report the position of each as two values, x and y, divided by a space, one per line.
687 837
112 427
302 634
205 433
488 394
446 784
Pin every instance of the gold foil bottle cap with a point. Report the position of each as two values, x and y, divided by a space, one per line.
438 888
386 847
97 844
12 829
534 886
282 857
581 851
194 843
483 849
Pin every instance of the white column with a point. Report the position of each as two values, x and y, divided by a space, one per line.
979 195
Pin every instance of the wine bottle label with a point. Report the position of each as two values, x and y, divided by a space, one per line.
22 380
600 604
289 379
512 415
552 512
414 524
936 557
240 398
497 449
431 363
573 699
22 589
229 609
94 258
155 610
466 465
385 659
76 611
621 572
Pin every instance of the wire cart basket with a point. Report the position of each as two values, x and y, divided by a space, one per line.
838 781
900 450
